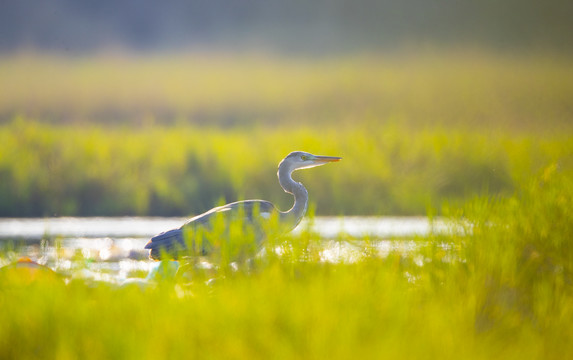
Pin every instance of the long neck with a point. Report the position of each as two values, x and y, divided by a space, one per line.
293 216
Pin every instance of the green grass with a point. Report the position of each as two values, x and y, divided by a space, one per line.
471 89
49 169
501 289
172 135
488 135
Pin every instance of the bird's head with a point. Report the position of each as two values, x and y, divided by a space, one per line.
302 160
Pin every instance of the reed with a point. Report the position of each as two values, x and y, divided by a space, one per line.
500 289
57 170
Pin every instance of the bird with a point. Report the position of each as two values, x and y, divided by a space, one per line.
184 240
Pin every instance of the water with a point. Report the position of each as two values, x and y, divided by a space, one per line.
114 250
145 227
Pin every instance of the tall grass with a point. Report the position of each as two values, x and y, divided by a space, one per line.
470 89
51 169
500 289
413 132
172 135
177 133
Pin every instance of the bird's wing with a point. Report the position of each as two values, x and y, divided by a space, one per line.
250 209
172 242
168 242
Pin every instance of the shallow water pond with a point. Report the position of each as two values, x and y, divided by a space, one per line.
111 249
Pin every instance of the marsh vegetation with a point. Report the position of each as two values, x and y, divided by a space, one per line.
482 140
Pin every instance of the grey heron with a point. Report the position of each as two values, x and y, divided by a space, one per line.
176 242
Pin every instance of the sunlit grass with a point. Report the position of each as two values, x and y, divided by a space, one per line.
178 135
460 89
501 289
181 170
118 134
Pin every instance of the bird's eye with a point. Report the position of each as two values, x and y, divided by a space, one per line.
304 157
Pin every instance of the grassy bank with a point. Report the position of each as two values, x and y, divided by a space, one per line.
171 135
502 289
49 169
470 89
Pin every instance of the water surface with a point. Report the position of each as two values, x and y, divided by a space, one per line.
145 227
113 246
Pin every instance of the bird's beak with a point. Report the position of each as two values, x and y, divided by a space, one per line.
325 159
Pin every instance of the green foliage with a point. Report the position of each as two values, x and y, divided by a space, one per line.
412 132
500 289
123 135
522 256
178 170
469 89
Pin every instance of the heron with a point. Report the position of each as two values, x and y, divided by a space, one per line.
172 243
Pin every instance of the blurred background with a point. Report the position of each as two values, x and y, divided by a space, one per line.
126 107
315 27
